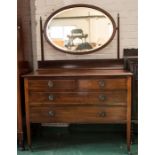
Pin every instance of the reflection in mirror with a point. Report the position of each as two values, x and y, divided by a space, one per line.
79 30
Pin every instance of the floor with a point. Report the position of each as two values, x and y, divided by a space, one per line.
79 141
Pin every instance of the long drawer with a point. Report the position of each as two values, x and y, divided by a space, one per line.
77 85
94 114
78 98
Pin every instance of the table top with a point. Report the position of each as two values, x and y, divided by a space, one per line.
78 72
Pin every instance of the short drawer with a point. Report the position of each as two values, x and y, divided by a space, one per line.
78 114
51 85
78 98
102 84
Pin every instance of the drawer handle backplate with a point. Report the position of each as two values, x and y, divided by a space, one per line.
102 97
101 83
51 97
50 84
102 114
51 113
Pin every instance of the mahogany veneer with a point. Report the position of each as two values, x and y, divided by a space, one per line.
78 96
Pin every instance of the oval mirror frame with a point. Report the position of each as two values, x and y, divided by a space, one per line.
75 6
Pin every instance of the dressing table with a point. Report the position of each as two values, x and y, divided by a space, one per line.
78 91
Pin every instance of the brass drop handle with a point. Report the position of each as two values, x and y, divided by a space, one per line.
102 114
50 84
101 83
51 113
102 97
51 97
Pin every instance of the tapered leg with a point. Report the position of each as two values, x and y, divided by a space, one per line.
129 136
133 132
20 142
20 133
129 114
28 126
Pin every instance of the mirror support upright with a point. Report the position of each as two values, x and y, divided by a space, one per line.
41 40
118 36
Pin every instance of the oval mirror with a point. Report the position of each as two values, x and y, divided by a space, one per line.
79 29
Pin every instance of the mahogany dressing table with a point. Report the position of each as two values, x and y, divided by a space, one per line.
78 91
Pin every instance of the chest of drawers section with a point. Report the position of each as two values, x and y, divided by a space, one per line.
77 100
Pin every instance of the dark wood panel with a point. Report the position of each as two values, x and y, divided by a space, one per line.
78 114
24 29
78 98
131 64
24 60
86 63
130 52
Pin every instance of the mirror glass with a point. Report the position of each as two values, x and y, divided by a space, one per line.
79 30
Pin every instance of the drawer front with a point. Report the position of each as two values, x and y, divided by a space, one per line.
51 85
78 98
102 84
78 114
78 85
